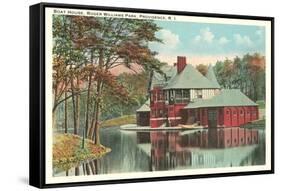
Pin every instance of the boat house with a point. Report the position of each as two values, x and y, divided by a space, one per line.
184 96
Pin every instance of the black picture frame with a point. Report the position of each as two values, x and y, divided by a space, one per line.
37 95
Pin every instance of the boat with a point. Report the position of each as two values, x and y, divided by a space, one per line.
192 126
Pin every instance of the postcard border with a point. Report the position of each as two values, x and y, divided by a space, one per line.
37 88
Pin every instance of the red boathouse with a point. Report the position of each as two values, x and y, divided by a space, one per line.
184 96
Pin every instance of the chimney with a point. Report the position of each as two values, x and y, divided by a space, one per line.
181 63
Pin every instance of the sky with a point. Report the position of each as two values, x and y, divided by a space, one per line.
206 43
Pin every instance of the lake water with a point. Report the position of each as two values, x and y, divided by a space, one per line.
169 150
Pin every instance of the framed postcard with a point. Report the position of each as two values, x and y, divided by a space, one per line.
121 95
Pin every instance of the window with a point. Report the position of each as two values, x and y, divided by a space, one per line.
185 94
242 140
198 93
161 112
171 96
241 112
160 95
154 113
178 94
166 95
182 95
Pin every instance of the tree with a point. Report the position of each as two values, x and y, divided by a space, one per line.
67 60
246 73
202 68
136 86
111 42
256 67
85 50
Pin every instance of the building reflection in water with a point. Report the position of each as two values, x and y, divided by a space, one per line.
170 150
198 149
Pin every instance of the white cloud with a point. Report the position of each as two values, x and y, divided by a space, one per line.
242 40
169 39
205 36
197 38
223 40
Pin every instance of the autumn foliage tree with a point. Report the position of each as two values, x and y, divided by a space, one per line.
88 48
246 73
202 68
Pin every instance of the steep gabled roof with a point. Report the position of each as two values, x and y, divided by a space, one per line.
190 78
158 78
227 97
145 107
211 76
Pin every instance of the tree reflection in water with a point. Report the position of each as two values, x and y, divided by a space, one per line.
170 150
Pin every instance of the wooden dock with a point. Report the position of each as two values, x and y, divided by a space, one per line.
134 127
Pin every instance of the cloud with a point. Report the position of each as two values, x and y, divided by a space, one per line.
242 40
169 39
223 40
197 38
259 33
196 59
205 36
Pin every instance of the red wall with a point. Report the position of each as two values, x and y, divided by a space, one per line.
174 113
227 116
234 116
203 116
220 117
241 115
156 122
157 107
247 114
174 110
237 116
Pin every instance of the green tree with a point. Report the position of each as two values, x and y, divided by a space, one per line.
110 42
246 73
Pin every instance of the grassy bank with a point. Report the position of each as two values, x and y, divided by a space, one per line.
126 119
258 124
67 150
